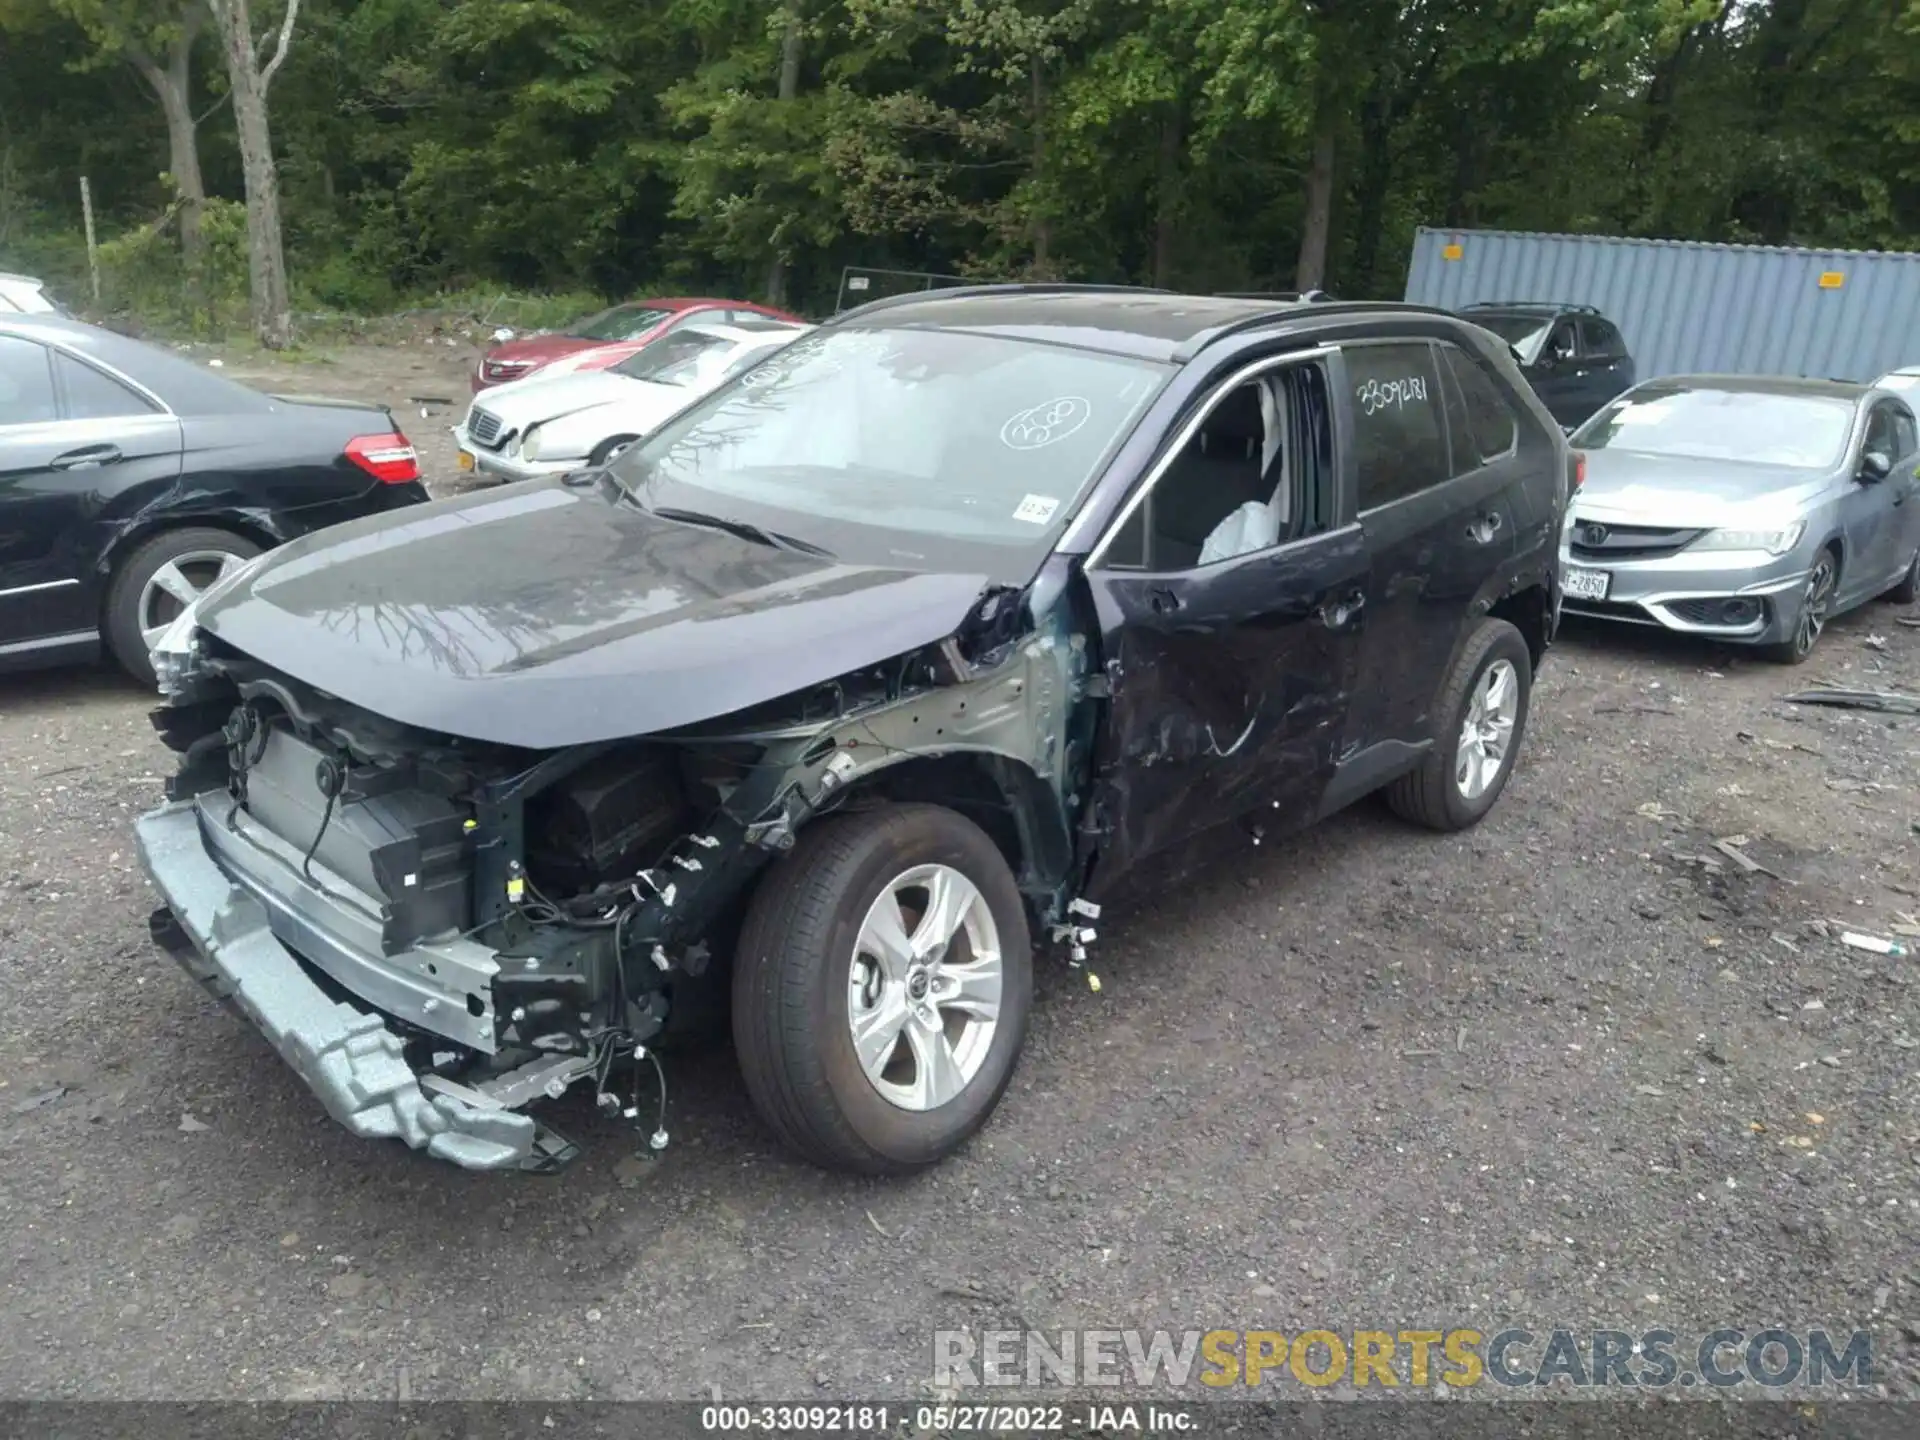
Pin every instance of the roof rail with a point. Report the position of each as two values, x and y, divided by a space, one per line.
1323 307
1567 305
1305 297
888 302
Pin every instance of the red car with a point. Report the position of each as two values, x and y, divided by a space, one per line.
634 323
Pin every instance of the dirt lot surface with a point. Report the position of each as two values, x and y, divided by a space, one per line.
1556 1071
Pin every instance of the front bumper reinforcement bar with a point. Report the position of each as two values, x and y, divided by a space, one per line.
222 936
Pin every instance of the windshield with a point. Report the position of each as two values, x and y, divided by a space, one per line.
676 359
1808 432
938 438
1523 332
623 322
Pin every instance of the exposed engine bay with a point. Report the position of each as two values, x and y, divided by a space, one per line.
525 920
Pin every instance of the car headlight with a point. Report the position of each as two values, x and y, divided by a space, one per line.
176 655
1773 542
542 445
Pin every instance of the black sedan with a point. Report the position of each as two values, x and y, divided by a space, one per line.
131 480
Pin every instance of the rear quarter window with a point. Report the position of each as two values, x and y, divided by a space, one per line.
1490 426
94 396
1399 438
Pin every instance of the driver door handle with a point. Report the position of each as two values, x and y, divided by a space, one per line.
1337 614
1482 530
86 457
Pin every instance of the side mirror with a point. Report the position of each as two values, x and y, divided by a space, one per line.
1875 466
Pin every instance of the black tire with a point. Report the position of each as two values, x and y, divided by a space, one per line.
791 975
1908 590
603 452
1822 583
1429 795
121 619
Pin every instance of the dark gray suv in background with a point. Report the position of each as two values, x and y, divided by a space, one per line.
958 619
1573 356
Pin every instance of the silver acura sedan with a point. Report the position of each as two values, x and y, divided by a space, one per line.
1745 509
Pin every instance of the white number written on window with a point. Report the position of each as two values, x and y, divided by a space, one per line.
1378 395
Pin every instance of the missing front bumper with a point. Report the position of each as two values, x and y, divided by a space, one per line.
348 1056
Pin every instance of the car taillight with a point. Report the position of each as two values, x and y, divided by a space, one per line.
388 458
1576 470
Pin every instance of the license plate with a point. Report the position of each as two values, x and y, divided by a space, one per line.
1580 584
465 461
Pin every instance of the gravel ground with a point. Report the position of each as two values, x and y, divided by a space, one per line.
1552 1072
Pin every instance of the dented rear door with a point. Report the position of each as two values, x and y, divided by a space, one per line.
1229 693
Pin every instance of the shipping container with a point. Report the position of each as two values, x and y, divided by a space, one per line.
1692 308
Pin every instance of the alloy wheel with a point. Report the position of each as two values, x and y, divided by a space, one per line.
1486 735
1814 607
177 584
923 993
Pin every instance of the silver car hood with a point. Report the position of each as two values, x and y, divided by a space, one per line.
1628 488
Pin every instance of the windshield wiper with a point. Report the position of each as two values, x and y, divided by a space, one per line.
772 539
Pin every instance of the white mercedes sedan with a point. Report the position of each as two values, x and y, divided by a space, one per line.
547 425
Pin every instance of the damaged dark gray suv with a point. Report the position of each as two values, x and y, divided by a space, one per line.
920 642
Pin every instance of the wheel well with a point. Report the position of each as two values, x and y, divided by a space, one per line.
134 536
612 440
1527 611
1004 798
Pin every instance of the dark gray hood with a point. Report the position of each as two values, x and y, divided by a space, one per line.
541 615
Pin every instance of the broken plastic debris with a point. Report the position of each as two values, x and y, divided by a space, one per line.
1730 847
1853 940
191 1126
1886 701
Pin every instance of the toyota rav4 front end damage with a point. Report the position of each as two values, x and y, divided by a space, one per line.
436 930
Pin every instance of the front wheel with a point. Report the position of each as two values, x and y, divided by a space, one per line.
881 989
1908 590
1482 715
159 580
1816 605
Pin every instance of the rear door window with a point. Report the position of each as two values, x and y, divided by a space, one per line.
26 383
1399 438
1906 435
